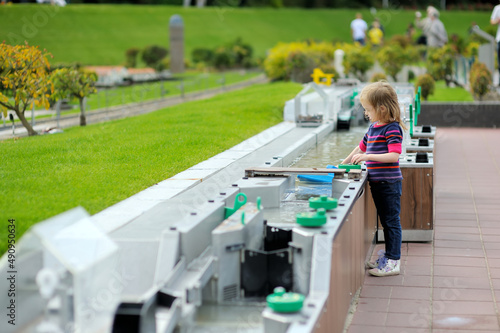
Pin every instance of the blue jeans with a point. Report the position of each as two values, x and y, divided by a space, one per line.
387 198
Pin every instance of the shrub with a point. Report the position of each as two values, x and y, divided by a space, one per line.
223 58
357 61
277 67
411 75
440 63
392 58
328 68
153 54
457 44
202 54
233 54
378 77
164 64
401 40
480 79
471 50
299 66
427 84
242 52
131 57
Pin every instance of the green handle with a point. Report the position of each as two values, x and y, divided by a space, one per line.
237 204
411 120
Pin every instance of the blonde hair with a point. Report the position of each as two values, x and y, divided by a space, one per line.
379 94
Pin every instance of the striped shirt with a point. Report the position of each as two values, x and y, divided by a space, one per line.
382 139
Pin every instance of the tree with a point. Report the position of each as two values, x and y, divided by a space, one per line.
74 83
480 79
427 85
24 80
440 63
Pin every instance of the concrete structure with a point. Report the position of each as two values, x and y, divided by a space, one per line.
176 42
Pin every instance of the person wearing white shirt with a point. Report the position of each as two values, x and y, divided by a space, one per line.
358 29
495 20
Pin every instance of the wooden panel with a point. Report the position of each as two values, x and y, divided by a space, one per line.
349 251
428 198
410 204
370 219
322 324
417 199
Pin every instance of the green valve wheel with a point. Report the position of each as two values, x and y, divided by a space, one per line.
323 202
349 167
315 219
281 301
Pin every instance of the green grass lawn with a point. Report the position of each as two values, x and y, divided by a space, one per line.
100 34
445 94
192 82
99 165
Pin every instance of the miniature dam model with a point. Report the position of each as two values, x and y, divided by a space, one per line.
231 244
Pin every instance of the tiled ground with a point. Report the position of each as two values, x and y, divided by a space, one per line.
453 283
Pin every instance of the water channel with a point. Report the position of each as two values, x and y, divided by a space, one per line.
331 151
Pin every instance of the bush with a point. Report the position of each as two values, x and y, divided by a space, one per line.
471 50
401 40
131 57
233 54
328 68
278 65
427 84
164 64
392 58
242 52
153 54
202 55
223 58
440 63
357 60
299 66
378 77
480 79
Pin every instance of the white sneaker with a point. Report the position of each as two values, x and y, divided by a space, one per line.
390 268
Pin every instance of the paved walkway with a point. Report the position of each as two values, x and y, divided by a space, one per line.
453 283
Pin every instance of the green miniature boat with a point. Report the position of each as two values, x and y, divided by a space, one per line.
349 167
312 219
323 202
281 301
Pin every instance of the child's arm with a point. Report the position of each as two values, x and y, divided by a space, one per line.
384 158
355 151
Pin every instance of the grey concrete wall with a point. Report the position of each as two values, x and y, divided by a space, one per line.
460 114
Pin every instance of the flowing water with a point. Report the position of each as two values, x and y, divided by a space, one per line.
332 150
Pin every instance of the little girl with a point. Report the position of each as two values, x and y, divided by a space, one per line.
380 148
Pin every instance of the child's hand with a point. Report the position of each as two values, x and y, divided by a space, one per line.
358 158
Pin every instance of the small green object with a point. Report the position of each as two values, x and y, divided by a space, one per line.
314 219
411 120
349 167
281 301
243 218
237 204
259 201
323 202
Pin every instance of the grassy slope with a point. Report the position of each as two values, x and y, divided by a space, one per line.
102 164
100 34
445 94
